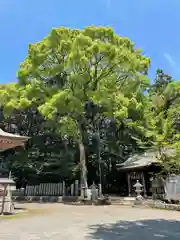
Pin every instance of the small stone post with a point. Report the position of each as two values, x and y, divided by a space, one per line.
144 184
76 188
63 189
93 192
129 184
83 191
100 190
72 189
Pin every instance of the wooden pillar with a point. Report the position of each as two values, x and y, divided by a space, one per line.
129 184
144 185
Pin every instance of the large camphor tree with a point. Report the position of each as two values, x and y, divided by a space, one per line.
70 68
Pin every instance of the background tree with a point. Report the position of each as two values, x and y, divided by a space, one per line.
164 109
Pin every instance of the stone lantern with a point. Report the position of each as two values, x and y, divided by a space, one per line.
7 141
138 189
5 196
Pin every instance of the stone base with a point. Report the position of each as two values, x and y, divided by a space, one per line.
129 200
89 194
46 199
8 206
138 202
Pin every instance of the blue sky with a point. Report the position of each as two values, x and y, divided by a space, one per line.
152 24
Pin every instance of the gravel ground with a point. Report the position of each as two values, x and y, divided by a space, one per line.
65 222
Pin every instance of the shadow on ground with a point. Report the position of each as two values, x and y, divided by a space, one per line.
136 230
20 208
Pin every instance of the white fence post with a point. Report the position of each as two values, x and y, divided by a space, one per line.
72 189
63 189
76 186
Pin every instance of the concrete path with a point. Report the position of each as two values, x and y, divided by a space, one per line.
89 222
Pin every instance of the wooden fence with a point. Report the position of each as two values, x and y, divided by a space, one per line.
50 189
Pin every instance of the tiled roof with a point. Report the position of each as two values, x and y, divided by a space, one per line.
141 160
13 136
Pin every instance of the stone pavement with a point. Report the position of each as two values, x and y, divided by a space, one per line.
94 222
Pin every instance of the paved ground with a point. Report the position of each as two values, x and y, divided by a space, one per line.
87 222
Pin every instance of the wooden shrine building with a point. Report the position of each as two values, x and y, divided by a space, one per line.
9 140
139 167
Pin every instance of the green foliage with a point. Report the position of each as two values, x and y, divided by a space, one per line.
77 66
165 114
73 67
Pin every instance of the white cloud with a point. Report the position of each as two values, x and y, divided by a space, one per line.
108 4
174 64
170 60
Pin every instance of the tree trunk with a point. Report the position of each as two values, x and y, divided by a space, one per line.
83 165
